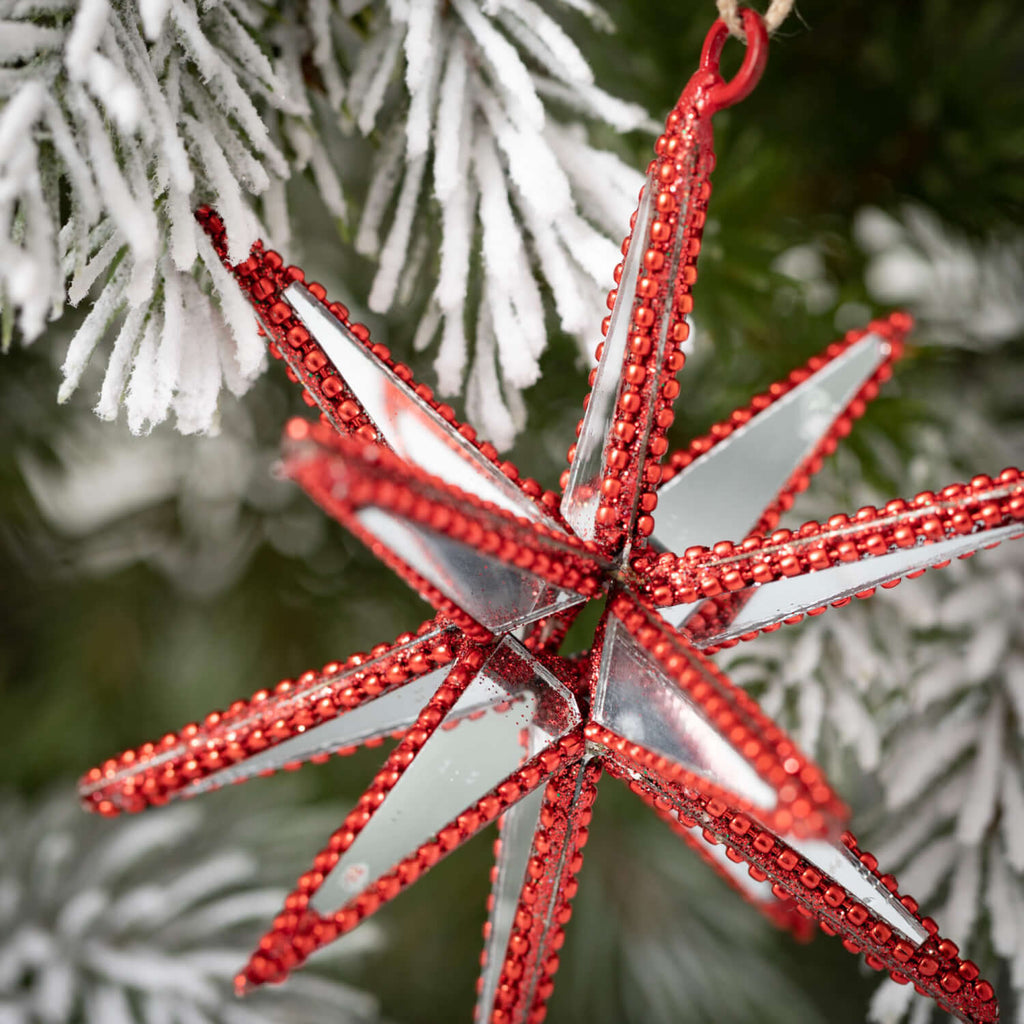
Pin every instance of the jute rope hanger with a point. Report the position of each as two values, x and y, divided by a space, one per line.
729 12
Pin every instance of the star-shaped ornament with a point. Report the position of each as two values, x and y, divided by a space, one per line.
493 722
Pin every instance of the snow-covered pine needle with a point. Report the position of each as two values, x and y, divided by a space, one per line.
477 81
135 113
146 920
141 112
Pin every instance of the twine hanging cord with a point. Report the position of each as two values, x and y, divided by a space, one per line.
729 12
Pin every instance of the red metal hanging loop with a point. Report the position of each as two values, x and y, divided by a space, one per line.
725 94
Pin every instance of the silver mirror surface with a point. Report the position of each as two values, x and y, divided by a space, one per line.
635 699
394 709
782 598
498 596
583 492
462 760
722 494
836 861
407 424
517 830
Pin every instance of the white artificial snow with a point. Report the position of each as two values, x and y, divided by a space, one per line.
152 109
396 248
157 108
969 292
116 377
145 921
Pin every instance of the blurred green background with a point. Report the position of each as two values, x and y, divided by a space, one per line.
147 581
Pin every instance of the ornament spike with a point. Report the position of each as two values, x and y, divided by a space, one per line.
658 702
539 855
614 463
731 592
739 477
361 391
478 565
499 727
837 885
362 701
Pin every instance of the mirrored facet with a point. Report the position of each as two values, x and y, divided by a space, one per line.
760 606
635 699
839 863
498 596
517 831
393 710
465 758
255 725
531 895
722 494
406 423
583 492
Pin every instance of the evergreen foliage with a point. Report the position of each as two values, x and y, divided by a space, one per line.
880 162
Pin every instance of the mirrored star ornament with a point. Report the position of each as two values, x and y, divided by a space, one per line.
493 723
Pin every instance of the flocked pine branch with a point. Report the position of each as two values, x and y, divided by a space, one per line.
970 293
955 775
115 118
924 685
475 129
118 118
88 937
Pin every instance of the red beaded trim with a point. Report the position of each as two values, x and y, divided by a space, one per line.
299 931
934 968
679 182
957 510
263 277
894 329
179 764
318 459
545 904
783 913
806 804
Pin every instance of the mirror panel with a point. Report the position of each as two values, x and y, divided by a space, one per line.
760 606
839 863
635 699
406 423
465 758
583 492
500 597
722 494
517 831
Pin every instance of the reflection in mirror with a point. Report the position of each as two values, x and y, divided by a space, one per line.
407 424
760 606
836 861
394 710
722 494
636 699
498 596
517 830
464 758
582 494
